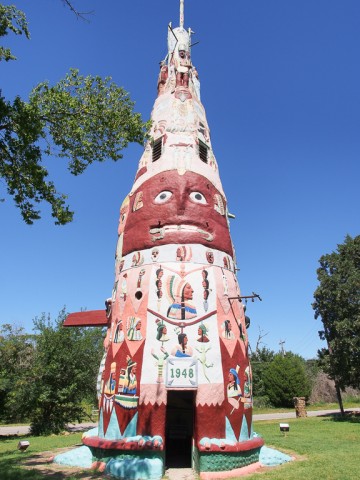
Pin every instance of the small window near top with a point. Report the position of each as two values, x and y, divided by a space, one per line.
157 149
203 151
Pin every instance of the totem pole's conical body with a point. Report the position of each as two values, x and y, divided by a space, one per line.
176 368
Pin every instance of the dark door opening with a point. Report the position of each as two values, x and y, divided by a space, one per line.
179 428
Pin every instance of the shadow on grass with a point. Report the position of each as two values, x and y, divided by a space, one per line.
35 467
349 417
12 437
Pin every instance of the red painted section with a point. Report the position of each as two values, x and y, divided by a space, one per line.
151 420
119 444
93 318
169 199
235 416
238 447
205 426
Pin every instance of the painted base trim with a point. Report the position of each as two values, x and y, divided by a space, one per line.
236 447
237 472
123 444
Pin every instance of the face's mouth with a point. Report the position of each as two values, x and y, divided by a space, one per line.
159 233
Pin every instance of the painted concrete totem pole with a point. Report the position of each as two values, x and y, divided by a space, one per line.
175 370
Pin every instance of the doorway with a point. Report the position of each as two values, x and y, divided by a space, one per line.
179 429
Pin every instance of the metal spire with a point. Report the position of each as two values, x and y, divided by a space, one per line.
181 13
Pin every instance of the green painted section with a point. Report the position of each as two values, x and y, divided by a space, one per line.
224 461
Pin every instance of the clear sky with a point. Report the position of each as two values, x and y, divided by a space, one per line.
280 81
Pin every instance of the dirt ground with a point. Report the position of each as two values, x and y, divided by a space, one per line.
43 464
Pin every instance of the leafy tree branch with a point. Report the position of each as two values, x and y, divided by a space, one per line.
11 20
82 119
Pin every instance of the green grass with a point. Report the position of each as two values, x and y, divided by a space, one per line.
314 406
326 447
11 458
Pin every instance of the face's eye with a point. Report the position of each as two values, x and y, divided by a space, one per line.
198 197
163 196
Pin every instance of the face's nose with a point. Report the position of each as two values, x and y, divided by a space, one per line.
182 201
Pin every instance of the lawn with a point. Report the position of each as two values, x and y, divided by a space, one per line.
326 448
313 406
11 458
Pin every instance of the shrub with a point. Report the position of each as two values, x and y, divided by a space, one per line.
285 378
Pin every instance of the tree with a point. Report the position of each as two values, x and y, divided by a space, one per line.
83 119
337 303
260 360
285 378
63 373
16 355
13 20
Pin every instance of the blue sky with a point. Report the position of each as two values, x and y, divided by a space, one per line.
280 84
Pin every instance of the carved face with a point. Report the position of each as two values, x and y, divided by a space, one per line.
123 215
210 256
177 209
188 292
154 254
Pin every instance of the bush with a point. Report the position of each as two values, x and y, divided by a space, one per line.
285 378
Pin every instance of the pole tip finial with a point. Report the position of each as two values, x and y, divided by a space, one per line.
181 14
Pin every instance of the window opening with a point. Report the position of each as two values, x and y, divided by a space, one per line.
157 149
203 151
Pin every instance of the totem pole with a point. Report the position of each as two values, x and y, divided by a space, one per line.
175 318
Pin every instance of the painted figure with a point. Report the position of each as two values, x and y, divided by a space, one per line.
181 293
161 333
202 359
202 331
119 334
133 329
182 67
111 382
127 380
182 349
205 284
228 334
233 386
160 357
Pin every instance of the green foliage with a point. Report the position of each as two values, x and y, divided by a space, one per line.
11 20
16 355
285 378
337 303
259 362
83 119
65 367
21 129
46 377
